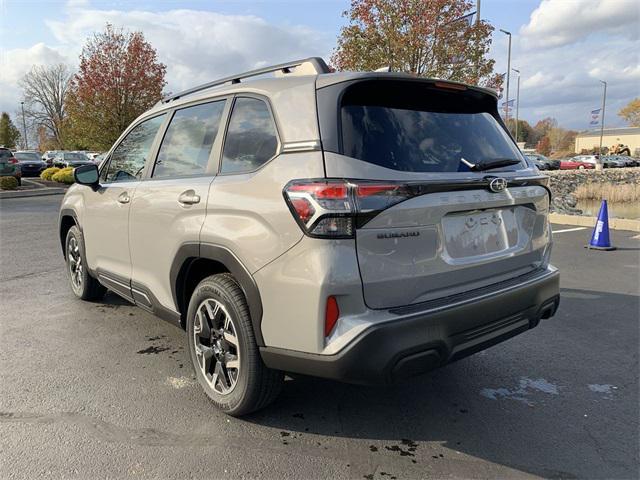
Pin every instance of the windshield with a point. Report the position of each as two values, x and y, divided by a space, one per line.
75 157
27 157
410 128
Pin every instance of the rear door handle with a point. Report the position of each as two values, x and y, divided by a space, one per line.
124 197
189 198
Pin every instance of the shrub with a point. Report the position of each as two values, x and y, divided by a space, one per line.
8 183
64 176
47 173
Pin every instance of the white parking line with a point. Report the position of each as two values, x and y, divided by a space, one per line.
569 230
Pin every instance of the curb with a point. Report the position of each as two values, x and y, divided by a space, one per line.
581 221
32 193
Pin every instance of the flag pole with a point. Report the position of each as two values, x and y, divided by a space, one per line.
604 103
517 102
508 75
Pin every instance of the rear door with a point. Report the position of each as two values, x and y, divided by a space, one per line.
169 207
459 230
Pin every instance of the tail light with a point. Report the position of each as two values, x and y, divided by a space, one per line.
334 208
13 160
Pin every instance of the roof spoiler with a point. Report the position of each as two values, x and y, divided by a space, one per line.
307 66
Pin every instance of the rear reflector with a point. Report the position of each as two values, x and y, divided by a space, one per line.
331 315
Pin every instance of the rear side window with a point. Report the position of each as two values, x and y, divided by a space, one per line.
251 137
128 159
187 144
409 127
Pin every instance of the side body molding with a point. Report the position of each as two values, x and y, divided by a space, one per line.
189 253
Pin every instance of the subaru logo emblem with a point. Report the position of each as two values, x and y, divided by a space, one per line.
498 185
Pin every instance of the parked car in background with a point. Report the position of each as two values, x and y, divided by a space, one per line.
9 166
612 161
31 164
98 159
542 162
626 161
577 163
92 155
48 157
71 159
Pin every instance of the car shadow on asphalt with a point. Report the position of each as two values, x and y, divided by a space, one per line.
525 404
111 299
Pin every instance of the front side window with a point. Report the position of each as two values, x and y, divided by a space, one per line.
187 144
410 128
251 137
129 157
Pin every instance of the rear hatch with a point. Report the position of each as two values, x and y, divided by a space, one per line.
441 225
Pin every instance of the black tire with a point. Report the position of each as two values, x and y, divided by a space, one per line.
83 285
256 385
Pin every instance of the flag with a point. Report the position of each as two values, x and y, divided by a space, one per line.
595 117
468 19
508 105
461 23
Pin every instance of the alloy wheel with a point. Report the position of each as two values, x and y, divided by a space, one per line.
74 260
215 340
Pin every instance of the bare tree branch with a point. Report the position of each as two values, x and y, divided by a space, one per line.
45 89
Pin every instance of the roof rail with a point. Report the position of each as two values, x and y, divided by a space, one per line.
311 66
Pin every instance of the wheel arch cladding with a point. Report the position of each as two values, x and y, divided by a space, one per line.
68 219
193 262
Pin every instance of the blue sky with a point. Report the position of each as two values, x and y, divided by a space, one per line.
562 47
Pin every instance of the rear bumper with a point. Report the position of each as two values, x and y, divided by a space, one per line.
440 332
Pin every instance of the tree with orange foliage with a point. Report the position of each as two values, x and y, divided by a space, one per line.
426 38
119 78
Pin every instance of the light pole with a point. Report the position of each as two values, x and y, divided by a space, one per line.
506 113
604 103
478 43
517 101
24 128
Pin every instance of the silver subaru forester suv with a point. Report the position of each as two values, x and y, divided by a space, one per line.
363 227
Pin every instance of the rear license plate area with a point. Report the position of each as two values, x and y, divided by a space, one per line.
476 233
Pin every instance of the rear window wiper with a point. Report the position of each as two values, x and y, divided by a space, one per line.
489 164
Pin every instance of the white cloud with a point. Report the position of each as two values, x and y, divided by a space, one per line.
564 51
561 22
197 46
16 62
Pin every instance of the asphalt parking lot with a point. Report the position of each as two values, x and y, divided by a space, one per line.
106 390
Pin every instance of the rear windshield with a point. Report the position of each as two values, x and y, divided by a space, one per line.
27 157
5 154
412 127
75 157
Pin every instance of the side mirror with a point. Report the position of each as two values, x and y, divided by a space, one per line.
86 175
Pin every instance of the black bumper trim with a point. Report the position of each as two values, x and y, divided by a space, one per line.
420 342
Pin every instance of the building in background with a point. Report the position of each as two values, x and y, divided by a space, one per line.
629 136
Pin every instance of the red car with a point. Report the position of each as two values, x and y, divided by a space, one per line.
575 163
